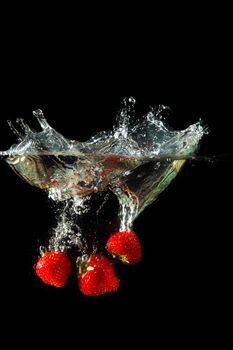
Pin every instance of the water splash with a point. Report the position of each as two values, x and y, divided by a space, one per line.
135 161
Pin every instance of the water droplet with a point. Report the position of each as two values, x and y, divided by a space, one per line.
15 131
41 119
23 126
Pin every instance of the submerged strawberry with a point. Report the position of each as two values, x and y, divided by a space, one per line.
53 268
96 276
125 246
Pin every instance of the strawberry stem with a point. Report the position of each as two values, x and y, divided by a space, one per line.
42 251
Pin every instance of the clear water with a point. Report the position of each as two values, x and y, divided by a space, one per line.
135 161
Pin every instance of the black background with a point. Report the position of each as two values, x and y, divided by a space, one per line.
78 74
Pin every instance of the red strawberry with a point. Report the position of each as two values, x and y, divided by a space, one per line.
96 276
53 268
125 246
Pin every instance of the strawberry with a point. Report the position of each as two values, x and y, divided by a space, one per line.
53 268
125 246
96 276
